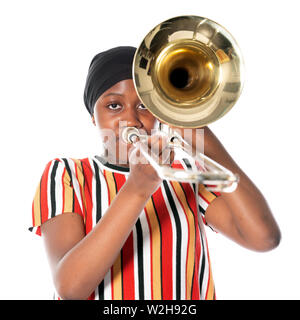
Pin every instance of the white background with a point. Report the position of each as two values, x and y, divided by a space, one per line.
46 48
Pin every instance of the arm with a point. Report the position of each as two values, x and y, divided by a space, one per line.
243 215
79 262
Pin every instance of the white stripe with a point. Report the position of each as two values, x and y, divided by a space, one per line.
76 186
49 189
201 230
146 255
204 256
59 187
135 265
104 207
203 204
94 209
107 285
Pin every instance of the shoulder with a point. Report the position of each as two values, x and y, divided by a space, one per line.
70 169
74 164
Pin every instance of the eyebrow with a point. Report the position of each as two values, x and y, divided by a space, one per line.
113 94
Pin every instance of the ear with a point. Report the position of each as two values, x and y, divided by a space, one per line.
93 120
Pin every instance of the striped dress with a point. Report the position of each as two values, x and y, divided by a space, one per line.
166 254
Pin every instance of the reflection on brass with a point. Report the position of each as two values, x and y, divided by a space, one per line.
184 68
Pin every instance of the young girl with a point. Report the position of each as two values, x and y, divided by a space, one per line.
114 230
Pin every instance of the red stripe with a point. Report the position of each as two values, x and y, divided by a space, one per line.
177 165
166 244
203 198
38 231
111 269
88 180
92 296
208 261
127 254
128 269
77 208
44 194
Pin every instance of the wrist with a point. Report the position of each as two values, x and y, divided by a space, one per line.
133 188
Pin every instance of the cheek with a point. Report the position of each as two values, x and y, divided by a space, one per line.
150 122
106 121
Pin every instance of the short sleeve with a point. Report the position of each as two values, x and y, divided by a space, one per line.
55 194
205 198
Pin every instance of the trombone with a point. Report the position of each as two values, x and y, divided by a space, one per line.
188 72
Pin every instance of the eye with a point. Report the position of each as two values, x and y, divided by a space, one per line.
142 107
114 106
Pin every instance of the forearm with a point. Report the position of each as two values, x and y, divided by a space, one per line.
249 220
250 213
85 265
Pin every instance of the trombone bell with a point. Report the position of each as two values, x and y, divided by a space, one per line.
188 71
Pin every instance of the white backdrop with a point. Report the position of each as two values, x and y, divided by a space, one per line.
46 47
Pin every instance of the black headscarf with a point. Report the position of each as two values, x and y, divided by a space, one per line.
106 69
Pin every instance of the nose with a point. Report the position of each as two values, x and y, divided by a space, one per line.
132 119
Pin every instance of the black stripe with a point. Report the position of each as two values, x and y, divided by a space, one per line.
202 264
187 163
68 170
71 181
140 252
52 189
98 193
98 217
83 193
207 186
201 209
112 166
178 238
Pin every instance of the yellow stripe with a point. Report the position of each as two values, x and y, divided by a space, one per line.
211 285
156 254
80 179
192 236
117 279
68 193
205 193
116 268
37 207
111 185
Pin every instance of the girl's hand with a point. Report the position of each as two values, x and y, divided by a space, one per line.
142 175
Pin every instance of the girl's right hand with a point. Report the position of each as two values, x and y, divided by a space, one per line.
142 175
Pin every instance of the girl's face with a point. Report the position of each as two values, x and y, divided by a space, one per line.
117 108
